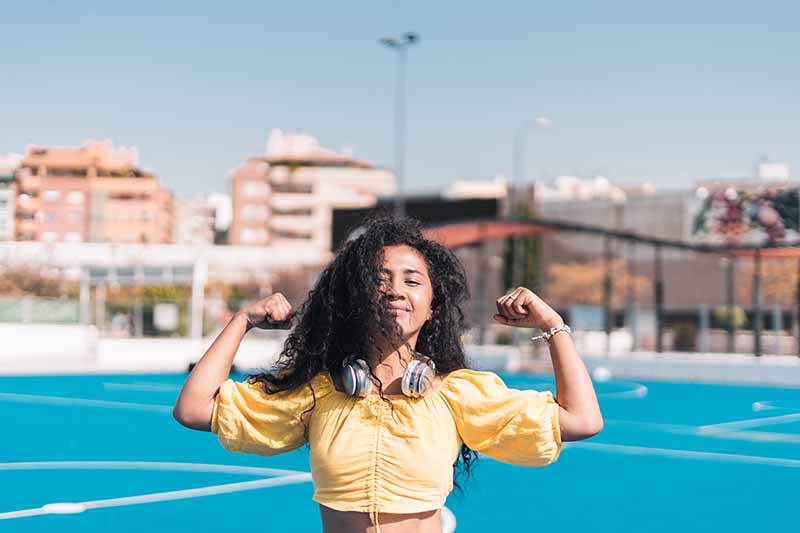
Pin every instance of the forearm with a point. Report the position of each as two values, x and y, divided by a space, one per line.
574 389
196 400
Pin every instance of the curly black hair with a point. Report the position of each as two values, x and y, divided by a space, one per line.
346 314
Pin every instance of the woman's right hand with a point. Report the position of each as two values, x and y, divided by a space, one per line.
272 312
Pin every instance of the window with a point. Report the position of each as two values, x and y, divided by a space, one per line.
282 234
75 198
74 216
296 211
51 196
254 212
255 189
305 188
128 196
50 217
73 236
49 236
67 172
250 236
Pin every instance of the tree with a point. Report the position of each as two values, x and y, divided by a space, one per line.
582 283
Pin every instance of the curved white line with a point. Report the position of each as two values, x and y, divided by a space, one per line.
766 405
286 477
638 391
448 520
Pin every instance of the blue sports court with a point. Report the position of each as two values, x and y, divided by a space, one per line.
96 453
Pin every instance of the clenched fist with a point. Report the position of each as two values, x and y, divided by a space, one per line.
521 308
272 312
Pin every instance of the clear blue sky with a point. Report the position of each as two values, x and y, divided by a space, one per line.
636 92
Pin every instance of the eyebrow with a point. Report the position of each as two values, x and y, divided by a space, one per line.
405 271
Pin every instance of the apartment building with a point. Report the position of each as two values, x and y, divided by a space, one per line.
287 196
93 193
8 169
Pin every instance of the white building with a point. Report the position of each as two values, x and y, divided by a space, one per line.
194 221
497 188
288 194
8 168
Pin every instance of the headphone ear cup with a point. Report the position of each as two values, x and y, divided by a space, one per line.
418 377
356 378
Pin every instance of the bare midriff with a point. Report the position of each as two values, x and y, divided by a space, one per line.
334 521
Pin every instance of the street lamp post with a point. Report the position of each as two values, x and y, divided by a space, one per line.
518 176
400 45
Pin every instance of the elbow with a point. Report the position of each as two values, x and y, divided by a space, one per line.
199 419
589 428
180 416
595 427
183 417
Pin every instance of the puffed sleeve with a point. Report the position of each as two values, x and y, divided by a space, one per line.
248 420
511 425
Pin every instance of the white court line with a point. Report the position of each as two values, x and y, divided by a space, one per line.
688 454
753 422
147 465
60 400
163 496
142 387
287 477
697 431
638 391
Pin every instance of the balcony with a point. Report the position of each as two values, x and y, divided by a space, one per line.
293 224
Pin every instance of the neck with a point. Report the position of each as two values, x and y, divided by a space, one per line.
387 363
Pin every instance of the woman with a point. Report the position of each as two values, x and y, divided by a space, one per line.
373 378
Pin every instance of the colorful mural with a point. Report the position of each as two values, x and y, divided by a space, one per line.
747 217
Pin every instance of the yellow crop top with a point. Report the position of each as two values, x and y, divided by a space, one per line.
365 459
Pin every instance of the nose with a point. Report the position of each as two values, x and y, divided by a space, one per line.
394 289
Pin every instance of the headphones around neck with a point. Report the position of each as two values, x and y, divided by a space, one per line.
417 377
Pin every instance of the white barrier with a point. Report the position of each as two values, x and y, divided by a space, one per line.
46 342
175 355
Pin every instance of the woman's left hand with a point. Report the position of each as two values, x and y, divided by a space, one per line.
521 308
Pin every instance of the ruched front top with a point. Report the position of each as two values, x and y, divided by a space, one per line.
367 457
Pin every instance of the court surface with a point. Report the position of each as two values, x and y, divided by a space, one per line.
103 453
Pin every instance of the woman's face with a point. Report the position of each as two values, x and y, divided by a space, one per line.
405 280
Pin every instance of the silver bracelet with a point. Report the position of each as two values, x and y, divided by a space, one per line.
547 335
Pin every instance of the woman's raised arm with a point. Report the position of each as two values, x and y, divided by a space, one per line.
195 403
579 411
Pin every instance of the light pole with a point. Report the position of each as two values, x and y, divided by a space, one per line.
518 176
400 45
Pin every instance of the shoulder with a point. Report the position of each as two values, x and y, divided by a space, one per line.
318 386
466 385
467 378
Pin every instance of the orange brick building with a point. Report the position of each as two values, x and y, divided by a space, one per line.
92 193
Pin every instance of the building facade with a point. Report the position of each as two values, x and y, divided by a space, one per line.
8 168
194 221
93 193
288 195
